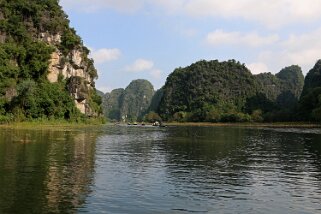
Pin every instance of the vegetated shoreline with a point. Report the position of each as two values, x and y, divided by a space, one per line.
273 125
52 124
67 125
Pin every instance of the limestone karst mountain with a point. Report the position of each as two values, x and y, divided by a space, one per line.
44 66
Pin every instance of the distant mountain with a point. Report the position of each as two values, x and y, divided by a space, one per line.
156 100
278 95
288 82
310 101
100 93
112 103
130 104
227 91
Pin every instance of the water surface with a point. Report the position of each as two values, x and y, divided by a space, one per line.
119 169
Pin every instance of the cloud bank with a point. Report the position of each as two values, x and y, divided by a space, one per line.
272 13
219 37
105 55
144 65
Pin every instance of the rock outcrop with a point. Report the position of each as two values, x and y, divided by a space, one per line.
37 43
75 68
70 65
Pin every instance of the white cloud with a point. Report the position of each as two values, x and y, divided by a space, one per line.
127 6
220 37
105 55
258 67
303 49
272 13
140 65
144 66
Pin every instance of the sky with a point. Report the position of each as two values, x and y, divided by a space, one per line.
148 39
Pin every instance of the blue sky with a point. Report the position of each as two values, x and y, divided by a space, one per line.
148 39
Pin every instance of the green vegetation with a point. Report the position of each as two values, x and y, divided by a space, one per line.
152 117
25 92
112 103
310 102
130 104
279 94
213 91
208 91
136 100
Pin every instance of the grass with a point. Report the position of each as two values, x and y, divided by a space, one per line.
67 125
54 124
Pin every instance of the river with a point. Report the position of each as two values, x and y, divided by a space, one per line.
120 169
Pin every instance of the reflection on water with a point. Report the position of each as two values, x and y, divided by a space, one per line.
161 170
45 171
206 170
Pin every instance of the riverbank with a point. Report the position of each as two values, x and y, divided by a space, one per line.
66 125
53 124
274 125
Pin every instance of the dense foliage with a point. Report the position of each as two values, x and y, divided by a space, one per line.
279 96
155 102
136 100
310 102
130 104
25 92
213 91
112 104
216 91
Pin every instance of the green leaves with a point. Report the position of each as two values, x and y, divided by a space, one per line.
201 86
24 59
45 99
69 40
130 104
216 91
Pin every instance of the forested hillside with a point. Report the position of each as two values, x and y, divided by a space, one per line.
310 102
44 67
279 95
112 103
130 104
216 91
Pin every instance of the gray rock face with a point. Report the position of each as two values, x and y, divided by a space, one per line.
73 67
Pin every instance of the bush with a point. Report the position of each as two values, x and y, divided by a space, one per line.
7 118
257 115
151 117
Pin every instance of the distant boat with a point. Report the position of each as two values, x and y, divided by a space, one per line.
156 123
159 124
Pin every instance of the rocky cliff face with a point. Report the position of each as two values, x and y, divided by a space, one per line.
75 68
73 65
38 47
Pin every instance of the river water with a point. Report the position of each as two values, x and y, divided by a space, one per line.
119 169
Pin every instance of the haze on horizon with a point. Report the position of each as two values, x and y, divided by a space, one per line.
140 39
